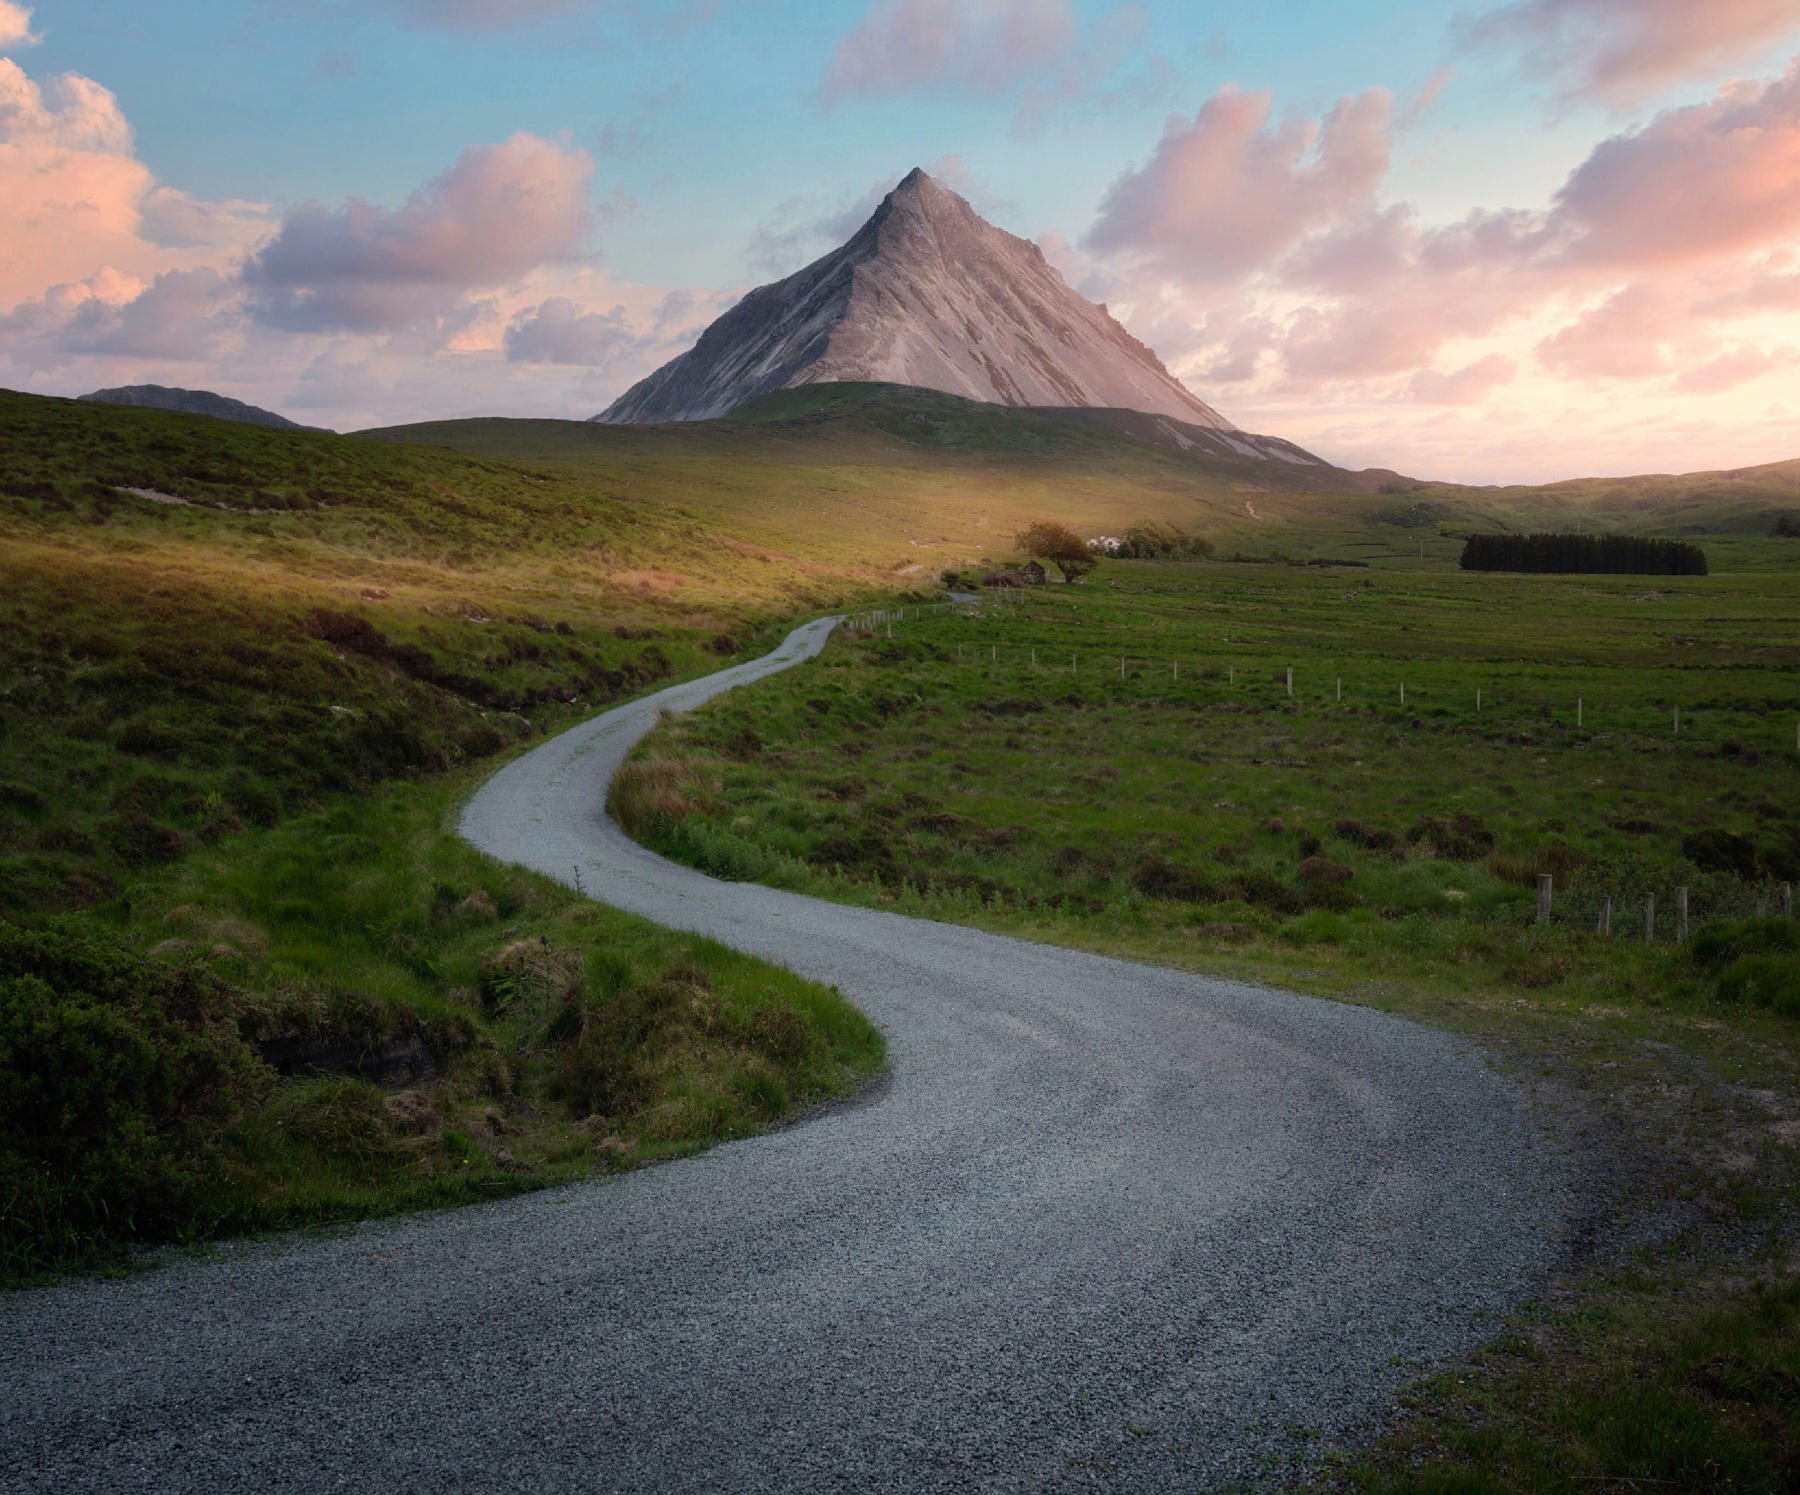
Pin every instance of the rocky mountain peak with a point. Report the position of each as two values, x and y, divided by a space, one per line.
925 293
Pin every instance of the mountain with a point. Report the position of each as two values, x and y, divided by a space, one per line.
929 294
194 402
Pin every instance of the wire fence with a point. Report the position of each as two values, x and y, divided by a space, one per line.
1666 912
1653 911
1491 701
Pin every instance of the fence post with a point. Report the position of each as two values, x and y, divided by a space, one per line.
1340 687
1478 698
1677 721
1034 659
1787 900
1544 881
1605 924
993 654
1681 916
1402 692
1071 664
1290 669
1121 666
1649 918
1579 719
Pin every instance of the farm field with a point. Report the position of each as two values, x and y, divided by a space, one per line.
1189 811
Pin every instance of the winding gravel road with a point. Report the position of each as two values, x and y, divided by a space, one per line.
1107 1226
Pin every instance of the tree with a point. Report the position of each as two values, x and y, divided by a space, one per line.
1063 548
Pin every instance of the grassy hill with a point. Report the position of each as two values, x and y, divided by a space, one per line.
245 675
247 976
893 477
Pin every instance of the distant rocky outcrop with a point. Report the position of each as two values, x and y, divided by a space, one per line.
194 402
928 294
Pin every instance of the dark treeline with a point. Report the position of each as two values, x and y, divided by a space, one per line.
1614 555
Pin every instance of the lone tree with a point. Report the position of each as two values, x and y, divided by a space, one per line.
1063 548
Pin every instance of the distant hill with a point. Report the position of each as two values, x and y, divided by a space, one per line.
195 402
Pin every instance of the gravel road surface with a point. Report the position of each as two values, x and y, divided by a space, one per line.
1107 1226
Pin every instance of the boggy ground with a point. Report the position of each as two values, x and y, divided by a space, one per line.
1190 811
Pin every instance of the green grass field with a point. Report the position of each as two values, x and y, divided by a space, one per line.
1119 766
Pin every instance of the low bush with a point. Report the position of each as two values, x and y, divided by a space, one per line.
117 1076
1158 877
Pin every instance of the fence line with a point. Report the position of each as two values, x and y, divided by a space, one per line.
883 620
1757 900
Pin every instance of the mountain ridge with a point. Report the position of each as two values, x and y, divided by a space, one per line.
926 293
194 402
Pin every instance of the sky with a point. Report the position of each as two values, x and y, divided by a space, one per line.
1500 241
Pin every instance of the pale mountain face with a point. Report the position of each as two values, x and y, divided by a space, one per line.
926 293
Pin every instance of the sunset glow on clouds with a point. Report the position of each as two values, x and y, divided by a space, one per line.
1277 227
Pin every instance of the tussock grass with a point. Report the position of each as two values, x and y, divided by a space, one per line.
654 793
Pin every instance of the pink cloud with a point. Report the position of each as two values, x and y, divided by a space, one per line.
1694 184
15 26
1428 96
1732 368
74 200
1227 191
1469 385
982 45
1622 49
68 112
1661 234
1621 338
499 212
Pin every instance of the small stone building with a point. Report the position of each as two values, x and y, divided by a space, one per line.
1031 574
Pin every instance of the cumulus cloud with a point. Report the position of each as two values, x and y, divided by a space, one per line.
15 26
178 317
556 330
74 199
67 112
500 211
1623 49
1264 259
559 331
981 45
1696 183
1228 190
